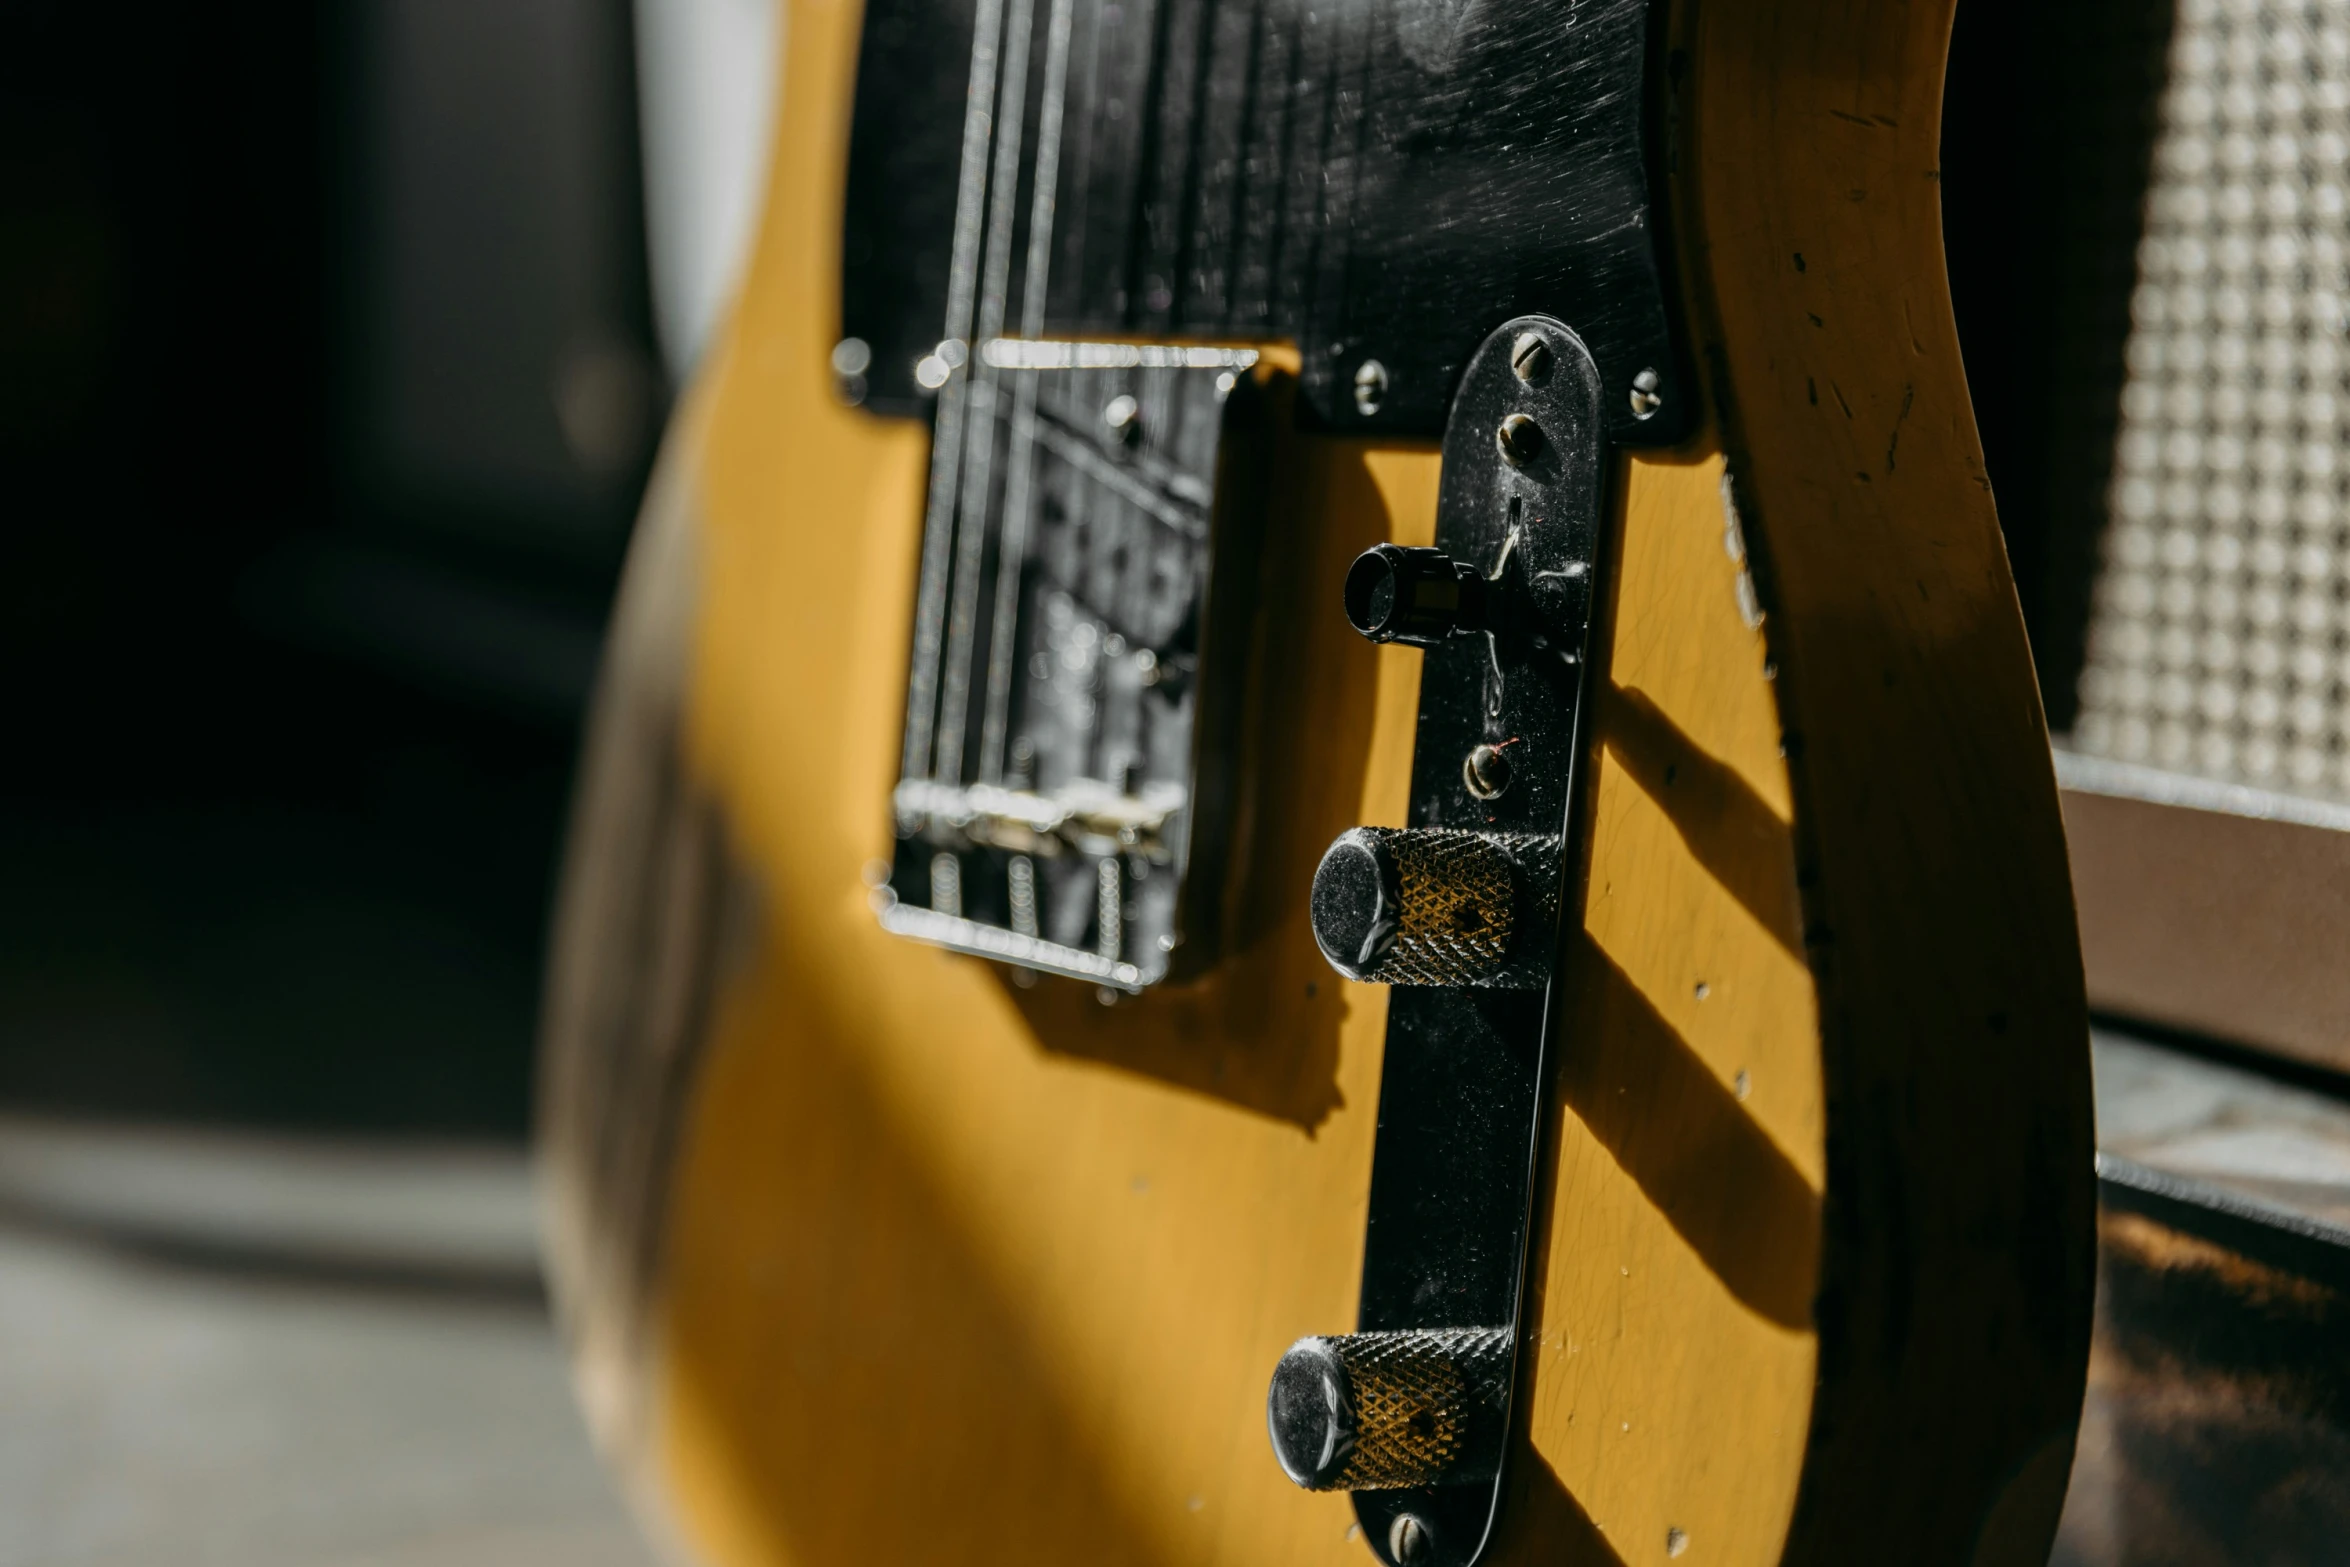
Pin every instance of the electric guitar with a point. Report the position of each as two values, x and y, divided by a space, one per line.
1318 822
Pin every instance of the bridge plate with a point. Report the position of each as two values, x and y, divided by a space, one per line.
1087 584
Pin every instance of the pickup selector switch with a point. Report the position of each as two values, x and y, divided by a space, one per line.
1420 597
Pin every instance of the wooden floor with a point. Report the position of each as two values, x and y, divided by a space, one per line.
217 1350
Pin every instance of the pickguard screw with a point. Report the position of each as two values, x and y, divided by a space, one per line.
1530 357
1519 438
1408 1539
851 358
1646 399
1370 387
1486 771
1124 417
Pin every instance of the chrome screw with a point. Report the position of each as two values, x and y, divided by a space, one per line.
1370 387
932 369
1124 417
1530 357
1409 1539
851 358
1646 399
1486 771
1519 438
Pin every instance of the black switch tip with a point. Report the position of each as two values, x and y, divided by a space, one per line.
1396 593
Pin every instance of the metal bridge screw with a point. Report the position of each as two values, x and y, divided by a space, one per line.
1370 387
851 358
1124 417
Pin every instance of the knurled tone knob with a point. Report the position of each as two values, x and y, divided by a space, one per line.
1381 1411
1414 595
1427 905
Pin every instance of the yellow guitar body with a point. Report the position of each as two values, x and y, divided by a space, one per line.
873 1255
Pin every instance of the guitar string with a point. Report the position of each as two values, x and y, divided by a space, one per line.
947 454
1012 556
976 510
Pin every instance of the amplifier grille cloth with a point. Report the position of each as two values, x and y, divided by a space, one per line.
2219 639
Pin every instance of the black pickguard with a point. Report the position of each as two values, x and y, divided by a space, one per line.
1373 181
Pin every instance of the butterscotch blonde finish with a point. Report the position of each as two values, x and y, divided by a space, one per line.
928 1267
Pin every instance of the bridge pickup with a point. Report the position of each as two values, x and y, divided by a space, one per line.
1082 615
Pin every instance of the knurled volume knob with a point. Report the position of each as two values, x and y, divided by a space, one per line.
1434 906
1381 1411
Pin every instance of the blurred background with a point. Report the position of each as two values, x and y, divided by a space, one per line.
335 344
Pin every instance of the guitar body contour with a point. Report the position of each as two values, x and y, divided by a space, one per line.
871 1254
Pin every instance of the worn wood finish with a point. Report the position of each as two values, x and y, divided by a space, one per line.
949 1270
1939 924
649 909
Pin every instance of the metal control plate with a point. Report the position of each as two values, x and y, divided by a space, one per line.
1460 1098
